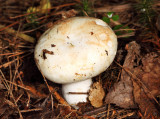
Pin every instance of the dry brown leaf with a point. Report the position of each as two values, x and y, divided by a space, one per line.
69 13
141 85
150 77
96 94
121 93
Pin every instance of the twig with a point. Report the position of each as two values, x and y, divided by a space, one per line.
11 94
31 110
8 63
55 93
93 112
126 35
58 97
57 7
34 91
2 27
127 115
21 35
113 8
17 85
125 30
119 8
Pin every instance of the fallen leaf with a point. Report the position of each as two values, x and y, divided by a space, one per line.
149 73
69 13
43 8
96 94
121 93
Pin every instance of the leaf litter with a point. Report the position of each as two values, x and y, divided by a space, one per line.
132 93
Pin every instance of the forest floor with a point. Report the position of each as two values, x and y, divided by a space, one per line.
131 84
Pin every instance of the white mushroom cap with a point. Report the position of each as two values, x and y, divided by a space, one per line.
81 88
75 49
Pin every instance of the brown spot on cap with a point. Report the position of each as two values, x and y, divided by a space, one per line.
53 45
106 52
48 52
76 74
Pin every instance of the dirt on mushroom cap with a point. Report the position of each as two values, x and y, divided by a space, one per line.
83 45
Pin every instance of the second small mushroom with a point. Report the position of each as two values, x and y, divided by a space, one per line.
74 51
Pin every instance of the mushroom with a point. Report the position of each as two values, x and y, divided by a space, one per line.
76 92
74 51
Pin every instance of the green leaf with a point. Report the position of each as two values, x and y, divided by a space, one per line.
121 32
117 27
109 14
106 19
115 17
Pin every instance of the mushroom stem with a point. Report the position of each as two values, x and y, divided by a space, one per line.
76 92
